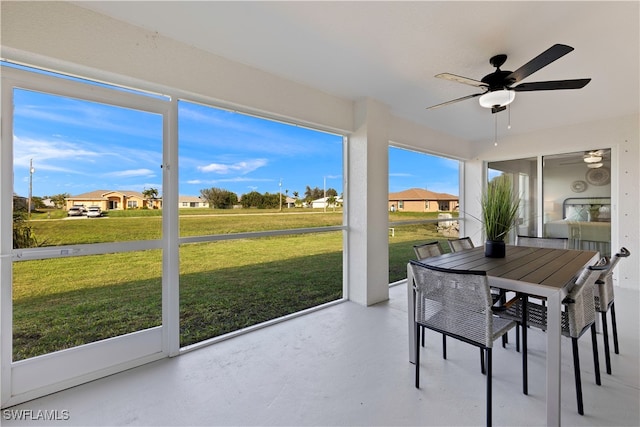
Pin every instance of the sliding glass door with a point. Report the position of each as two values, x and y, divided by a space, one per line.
83 292
575 195
577 198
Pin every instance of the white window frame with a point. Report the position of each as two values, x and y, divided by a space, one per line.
26 379
31 378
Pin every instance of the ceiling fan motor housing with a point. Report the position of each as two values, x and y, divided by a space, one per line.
498 89
497 80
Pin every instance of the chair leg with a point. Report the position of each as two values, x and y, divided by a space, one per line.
482 362
417 350
489 392
605 336
525 373
614 326
503 301
576 372
518 337
596 358
423 334
444 346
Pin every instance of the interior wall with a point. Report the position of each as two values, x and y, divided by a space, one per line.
557 181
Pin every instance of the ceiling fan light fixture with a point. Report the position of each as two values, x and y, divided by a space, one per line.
500 98
593 159
594 165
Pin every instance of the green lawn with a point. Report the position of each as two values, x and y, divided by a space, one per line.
224 286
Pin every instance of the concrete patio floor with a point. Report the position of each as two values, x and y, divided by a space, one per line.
347 365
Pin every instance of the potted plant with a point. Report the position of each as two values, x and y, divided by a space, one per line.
499 213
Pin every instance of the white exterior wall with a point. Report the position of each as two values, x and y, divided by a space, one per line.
622 135
367 205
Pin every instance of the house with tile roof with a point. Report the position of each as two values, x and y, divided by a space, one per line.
113 200
192 202
420 200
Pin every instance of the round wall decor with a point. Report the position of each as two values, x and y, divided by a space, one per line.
599 176
578 186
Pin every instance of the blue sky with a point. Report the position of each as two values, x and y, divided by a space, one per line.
79 146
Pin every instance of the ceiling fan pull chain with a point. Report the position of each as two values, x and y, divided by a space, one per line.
495 140
509 114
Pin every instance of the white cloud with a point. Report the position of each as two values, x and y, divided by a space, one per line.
46 153
130 173
242 167
236 179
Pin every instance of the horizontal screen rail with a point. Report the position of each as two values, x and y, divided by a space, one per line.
256 234
28 254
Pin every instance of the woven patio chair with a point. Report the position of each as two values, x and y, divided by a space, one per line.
603 294
464 243
426 250
461 244
543 242
457 304
578 317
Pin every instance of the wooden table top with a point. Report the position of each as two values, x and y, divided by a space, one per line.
548 267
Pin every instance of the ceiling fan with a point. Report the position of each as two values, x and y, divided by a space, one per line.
591 159
498 87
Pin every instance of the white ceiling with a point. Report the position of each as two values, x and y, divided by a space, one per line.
391 51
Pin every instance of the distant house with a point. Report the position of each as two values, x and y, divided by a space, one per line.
113 200
419 200
192 202
48 203
289 202
323 202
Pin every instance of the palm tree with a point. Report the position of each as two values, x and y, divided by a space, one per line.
150 194
331 201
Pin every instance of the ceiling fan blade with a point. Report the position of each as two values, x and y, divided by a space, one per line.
454 100
552 85
460 79
545 58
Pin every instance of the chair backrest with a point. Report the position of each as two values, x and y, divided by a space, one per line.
461 244
453 302
580 311
543 242
603 293
426 250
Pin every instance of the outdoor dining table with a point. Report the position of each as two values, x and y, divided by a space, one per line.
533 271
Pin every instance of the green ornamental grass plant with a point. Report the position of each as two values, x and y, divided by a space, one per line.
499 208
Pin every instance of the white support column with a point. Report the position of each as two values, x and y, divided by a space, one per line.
473 183
368 189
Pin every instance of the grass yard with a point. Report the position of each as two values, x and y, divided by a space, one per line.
224 286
